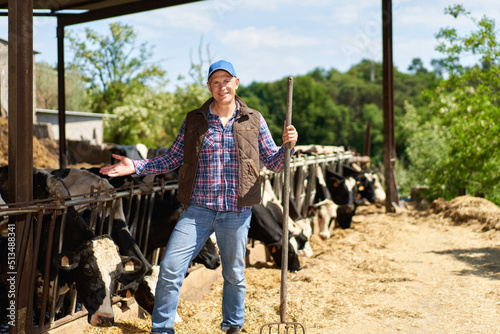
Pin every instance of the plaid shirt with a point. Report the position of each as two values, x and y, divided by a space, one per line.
216 182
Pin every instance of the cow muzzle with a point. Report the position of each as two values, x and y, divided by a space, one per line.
102 319
346 209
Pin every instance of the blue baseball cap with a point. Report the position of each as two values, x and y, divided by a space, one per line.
221 65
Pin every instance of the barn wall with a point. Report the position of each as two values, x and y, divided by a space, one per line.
80 126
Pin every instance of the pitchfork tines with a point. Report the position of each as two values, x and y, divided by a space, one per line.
283 328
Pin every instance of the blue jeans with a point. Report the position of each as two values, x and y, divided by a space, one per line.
194 227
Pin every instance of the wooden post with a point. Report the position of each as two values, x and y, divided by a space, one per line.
61 98
20 69
388 102
368 139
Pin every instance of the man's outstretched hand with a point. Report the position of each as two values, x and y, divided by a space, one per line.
124 167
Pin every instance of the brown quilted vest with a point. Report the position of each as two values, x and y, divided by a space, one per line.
246 136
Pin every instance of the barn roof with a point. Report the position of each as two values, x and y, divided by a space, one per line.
79 11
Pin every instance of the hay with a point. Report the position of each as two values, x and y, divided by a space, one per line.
126 326
469 210
318 296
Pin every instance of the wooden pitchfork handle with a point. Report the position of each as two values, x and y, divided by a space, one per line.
284 325
286 207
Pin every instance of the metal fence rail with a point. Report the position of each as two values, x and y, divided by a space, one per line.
53 213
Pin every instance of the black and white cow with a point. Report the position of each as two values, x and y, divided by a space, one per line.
343 192
379 189
145 295
92 262
324 210
266 226
79 182
299 227
134 152
324 215
368 183
166 211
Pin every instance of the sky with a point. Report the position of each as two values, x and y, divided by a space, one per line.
267 40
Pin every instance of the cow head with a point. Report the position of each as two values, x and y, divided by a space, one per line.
276 250
366 186
208 255
323 215
95 267
344 215
301 231
378 189
343 189
265 228
145 295
368 183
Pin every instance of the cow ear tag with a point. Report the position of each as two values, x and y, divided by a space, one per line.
361 188
129 266
128 294
65 261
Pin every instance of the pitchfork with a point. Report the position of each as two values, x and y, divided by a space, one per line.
284 326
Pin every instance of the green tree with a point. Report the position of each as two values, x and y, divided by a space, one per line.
332 108
417 66
154 117
114 66
188 96
456 144
122 81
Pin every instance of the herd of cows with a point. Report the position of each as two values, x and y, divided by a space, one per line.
99 246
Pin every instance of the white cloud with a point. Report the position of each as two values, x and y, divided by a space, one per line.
270 65
251 38
405 49
348 13
190 17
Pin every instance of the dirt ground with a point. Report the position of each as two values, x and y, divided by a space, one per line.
413 271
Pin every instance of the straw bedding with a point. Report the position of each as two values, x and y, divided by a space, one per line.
469 209
410 272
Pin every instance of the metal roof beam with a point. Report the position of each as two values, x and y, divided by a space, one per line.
125 9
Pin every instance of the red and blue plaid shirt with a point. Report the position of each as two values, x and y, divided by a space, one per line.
216 182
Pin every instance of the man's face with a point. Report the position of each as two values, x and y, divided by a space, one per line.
223 86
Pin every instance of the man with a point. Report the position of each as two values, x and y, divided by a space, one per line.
219 149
